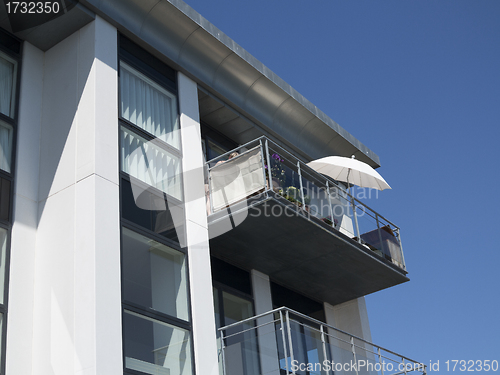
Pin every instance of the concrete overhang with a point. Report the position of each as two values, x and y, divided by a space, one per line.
48 34
176 33
297 251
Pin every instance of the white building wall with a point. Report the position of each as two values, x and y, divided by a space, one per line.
200 278
268 349
19 356
350 316
65 283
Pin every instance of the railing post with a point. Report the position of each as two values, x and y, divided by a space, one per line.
269 167
353 347
330 203
401 249
404 366
325 357
301 187
380 235
210 190
290 343
285 352
353 206
380 361
222 345
262 160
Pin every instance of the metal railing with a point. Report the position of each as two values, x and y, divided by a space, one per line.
283 341
263 167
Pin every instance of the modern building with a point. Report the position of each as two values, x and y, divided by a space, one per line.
124 251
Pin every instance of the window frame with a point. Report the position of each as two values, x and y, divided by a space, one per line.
147 65
14 52
159 87
185 324
157 142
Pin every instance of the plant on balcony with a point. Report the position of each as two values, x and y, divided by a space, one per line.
277 170
328 220
293 195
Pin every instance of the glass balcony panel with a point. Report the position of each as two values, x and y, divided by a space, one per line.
285 342
366 358
272 227
341 211
285 176
241 353
340 350
241 341
379 235
236 179
316 197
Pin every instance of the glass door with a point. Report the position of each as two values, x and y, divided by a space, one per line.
241 349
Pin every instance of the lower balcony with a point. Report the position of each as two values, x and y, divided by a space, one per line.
269 211
284 341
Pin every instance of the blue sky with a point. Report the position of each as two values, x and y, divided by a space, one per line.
418 82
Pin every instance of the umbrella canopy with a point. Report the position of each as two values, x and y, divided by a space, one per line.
351 171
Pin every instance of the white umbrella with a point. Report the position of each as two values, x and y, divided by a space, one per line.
351 171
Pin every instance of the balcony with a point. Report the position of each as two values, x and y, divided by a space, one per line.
267 210
284 341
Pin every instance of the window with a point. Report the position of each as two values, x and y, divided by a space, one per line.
155 297
232 291
156 329
155 347
8 73
241 340
150 163
150 154
154 275
10 48
148 105
5 146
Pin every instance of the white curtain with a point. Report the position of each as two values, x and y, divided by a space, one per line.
5 146
150 164
6 85
148 105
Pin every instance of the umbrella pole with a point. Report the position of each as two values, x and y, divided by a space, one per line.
355 218
353 206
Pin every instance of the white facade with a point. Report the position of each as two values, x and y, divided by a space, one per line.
66 282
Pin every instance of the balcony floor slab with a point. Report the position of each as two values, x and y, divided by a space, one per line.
276 237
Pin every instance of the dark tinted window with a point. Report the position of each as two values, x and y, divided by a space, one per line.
285 297
158 221
231 276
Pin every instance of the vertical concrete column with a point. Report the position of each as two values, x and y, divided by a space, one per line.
19 358
200 278
350 317
268 348
68 143
97 209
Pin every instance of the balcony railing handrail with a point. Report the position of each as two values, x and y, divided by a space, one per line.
236 148
325 182
304 165
313 320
